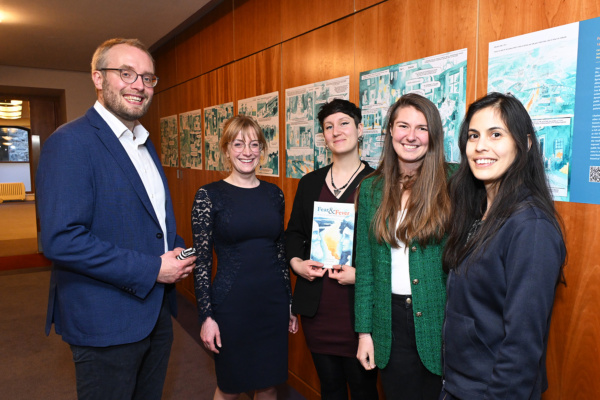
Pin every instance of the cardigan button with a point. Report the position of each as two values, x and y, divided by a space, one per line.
419 314
413 249
415 281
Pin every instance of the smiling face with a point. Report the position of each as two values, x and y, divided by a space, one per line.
341 133
127 101
243 153
410 138
491 148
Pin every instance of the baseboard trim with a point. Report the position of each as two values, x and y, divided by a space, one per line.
36 260
302 387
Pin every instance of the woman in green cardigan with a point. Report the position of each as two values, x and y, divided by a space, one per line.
403 209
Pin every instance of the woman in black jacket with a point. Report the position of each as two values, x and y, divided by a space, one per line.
324 296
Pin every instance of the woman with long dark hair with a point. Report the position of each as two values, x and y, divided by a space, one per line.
403 210
505 253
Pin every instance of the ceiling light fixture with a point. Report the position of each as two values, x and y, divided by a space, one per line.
11 109
10 113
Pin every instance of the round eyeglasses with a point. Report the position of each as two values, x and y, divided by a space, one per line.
238 146
130 76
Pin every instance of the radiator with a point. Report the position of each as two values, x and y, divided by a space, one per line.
12 191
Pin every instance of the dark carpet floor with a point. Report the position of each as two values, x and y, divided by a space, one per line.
34 366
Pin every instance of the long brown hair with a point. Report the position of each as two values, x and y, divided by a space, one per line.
428 206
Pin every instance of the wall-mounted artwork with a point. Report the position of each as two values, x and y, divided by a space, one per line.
190 139
305 144
265 109
214 117
441 78
555 73
169 149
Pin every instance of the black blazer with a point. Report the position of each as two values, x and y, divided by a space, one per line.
307 294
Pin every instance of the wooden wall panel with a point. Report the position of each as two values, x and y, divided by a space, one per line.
190 99
256 26
319 55
166 66
257 75
150 122
168 102
168 105
383 38
323 54
298 17
574 343
43 121
43 117
216 39
362 4
189 54
217 87
504 19
244 48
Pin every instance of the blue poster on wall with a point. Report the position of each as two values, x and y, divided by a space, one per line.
556 75
585 170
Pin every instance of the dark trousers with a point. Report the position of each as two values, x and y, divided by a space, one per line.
405 377
336 373
447 396
134 371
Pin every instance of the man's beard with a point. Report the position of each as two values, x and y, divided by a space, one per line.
114 102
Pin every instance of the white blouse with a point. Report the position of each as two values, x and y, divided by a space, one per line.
400 273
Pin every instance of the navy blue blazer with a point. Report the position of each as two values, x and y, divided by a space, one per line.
498 312
100 230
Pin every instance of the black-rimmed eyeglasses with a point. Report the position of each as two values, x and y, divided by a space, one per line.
130 76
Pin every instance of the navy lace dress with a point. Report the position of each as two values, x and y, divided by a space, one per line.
250 295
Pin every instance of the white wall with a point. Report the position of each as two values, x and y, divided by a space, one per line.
79 90
79 96
15 172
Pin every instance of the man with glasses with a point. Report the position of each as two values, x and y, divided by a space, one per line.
107 224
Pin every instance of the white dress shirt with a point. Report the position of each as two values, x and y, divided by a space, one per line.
134 144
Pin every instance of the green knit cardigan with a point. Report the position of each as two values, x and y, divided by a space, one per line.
373 289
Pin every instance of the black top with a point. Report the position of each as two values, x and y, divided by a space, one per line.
307 294
236 221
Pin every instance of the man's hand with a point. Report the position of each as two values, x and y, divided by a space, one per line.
173 270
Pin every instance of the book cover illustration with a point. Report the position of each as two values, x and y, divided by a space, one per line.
332 233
